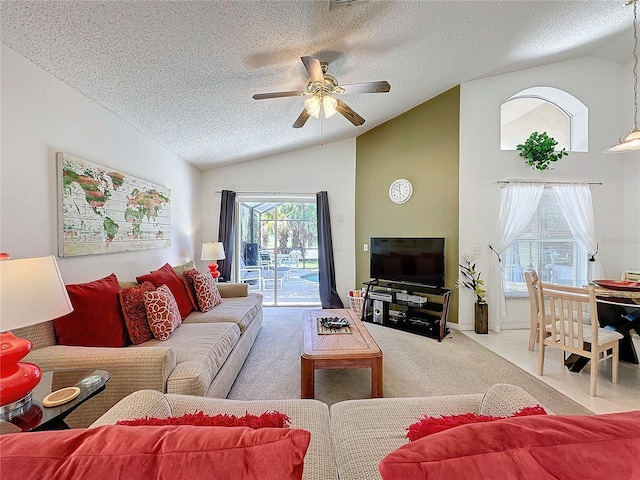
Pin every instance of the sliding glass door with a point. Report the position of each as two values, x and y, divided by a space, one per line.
278 250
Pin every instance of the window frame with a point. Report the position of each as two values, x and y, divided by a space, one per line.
577 112
580 274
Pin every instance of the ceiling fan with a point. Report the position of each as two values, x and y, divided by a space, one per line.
320 90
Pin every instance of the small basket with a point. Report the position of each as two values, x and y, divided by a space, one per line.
356 301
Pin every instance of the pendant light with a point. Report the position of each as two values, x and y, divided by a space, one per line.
631 142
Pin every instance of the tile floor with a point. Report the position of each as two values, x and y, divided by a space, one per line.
623 396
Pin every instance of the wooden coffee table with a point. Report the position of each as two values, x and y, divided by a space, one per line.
348 350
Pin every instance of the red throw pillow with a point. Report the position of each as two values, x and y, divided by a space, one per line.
428 425
187 280
265 420
135 453
162 312
167 276
96 320
135 313
206 291
528 448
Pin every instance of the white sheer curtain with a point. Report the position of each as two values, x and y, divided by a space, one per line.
518 203
577 207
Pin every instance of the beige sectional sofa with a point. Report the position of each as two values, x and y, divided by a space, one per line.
349 440
201 357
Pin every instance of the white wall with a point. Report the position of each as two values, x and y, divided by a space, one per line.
629 238
600 85
41 116
329 167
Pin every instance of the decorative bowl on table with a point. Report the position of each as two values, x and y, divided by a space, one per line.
622 285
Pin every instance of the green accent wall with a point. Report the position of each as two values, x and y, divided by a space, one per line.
420 145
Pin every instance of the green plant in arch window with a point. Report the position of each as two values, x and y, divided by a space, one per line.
539 152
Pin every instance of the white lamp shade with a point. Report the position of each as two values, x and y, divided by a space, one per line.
212 251
330 105
31 291
629 143
312 104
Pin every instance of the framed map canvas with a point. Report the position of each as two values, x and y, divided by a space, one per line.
105 211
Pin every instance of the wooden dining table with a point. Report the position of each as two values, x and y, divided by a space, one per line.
620 310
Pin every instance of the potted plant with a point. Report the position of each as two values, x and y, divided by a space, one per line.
471 280
539 152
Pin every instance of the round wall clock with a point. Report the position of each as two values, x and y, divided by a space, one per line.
400 191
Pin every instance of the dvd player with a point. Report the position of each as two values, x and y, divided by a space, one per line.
385 297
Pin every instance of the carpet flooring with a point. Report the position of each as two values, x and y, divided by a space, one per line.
414 366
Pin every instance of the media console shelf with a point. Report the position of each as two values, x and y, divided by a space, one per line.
413 307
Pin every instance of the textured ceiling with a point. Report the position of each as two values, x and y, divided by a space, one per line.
183 72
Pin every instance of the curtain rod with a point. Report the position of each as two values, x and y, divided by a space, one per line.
504 182
288 194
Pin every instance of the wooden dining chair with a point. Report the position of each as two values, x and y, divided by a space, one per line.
630 276
569 316
531 278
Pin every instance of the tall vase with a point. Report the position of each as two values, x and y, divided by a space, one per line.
482 317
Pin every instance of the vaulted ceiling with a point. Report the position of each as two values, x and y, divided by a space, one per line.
184 72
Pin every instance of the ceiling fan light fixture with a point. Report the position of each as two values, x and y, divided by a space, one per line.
631 142
329 103
312 104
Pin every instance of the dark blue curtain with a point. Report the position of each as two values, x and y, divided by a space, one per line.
326 269
225 232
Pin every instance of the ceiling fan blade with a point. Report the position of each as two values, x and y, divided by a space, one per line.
370 87
262 96
302 119
349 114
312 65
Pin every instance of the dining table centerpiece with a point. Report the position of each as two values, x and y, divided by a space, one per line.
471 280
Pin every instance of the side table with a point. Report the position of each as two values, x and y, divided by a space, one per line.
34 416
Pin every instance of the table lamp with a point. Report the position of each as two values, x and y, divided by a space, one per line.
31 291
213 251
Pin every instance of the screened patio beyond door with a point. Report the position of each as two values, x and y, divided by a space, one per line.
278 250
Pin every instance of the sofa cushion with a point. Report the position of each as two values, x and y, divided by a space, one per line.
162 312
132 453
534 447
206 291
96 320
365 431
180 269
135 313
239 310
167 276
264 420
201 350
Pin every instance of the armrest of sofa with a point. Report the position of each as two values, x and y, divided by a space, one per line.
132 369
228 290
147 367
140 404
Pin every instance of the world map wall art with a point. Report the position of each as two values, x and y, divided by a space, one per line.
105 211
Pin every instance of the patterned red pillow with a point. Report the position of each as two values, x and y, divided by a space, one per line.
265 420
135 313
428 425
166 275
187 279
206 291
162 312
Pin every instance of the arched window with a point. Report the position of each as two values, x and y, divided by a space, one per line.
544 109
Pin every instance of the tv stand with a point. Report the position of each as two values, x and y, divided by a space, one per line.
408 306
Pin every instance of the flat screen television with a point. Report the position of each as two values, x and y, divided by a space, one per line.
416 260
